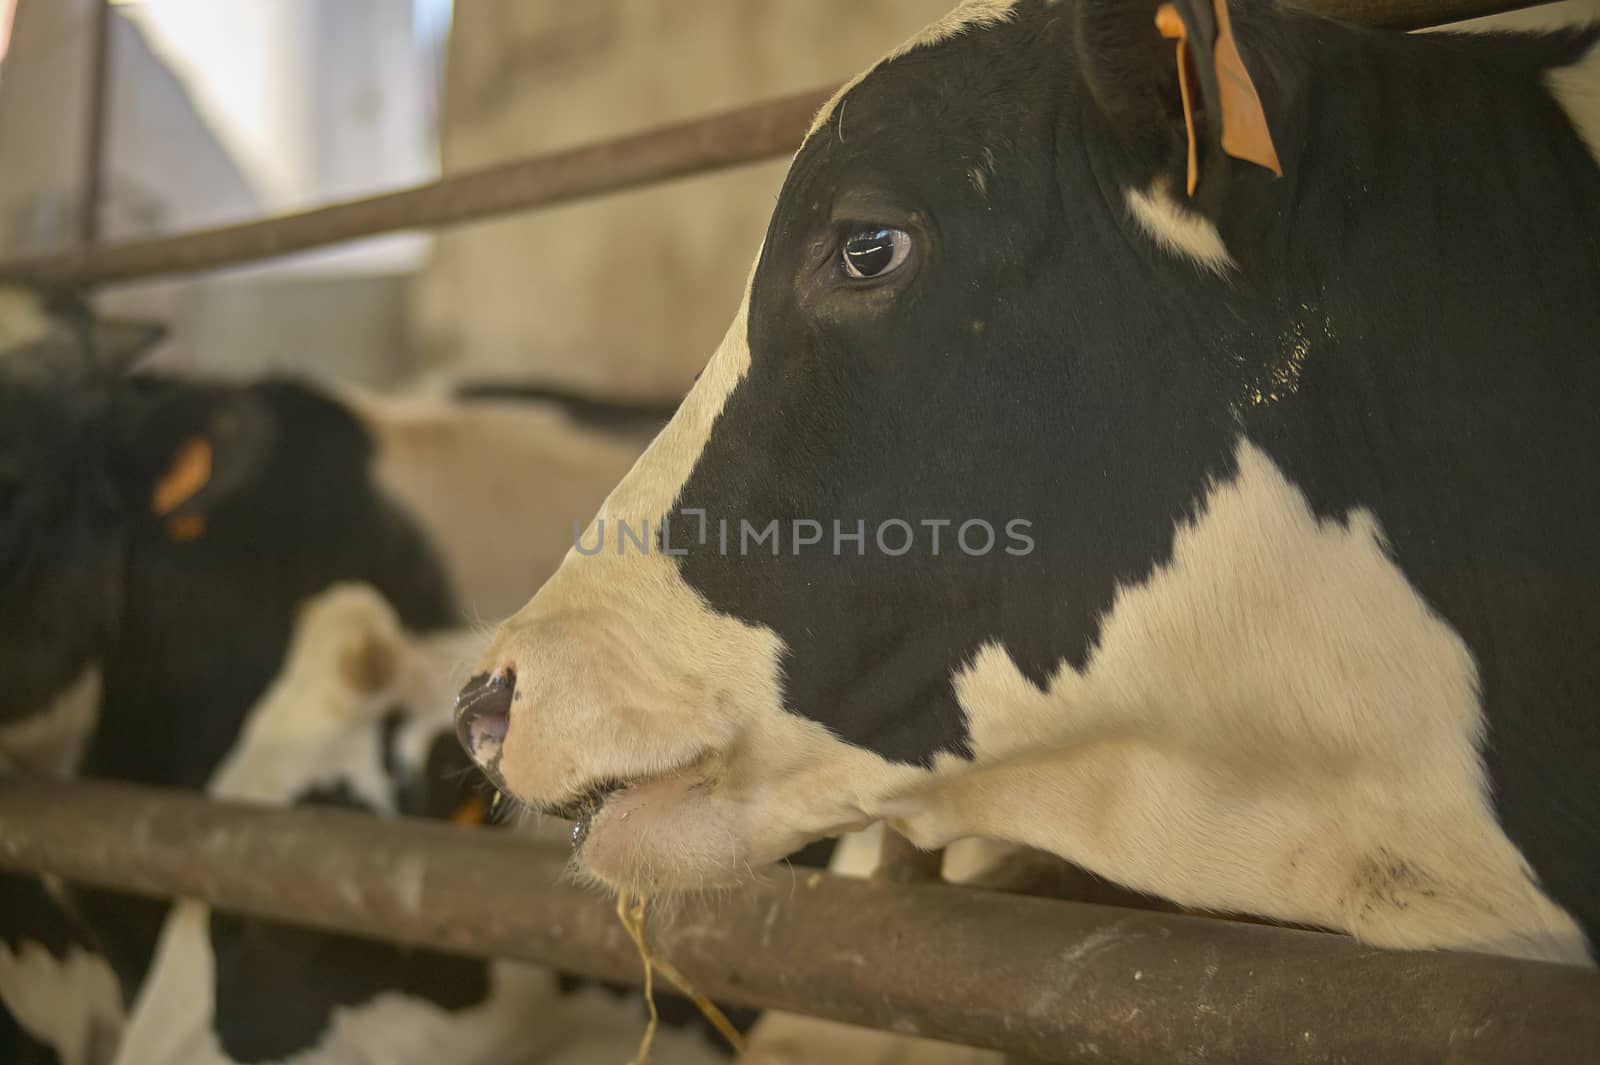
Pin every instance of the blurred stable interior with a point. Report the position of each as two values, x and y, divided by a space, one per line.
225 112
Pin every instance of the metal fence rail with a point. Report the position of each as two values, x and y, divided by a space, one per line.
760 131
1056 981
750 134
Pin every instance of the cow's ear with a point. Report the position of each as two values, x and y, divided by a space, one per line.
197 449
1168 75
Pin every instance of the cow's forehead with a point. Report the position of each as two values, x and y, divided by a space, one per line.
968 16
930 118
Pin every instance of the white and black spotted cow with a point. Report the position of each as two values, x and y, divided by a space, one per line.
158 535
1301 622
359 718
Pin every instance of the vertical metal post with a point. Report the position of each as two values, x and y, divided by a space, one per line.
95 123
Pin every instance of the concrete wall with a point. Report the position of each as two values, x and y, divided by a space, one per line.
43 101
628 294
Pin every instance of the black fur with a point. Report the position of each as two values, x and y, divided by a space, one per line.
1437 235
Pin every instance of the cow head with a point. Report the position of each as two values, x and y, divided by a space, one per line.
900 496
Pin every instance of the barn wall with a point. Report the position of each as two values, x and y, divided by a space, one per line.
629 294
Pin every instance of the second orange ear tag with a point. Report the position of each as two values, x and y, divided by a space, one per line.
1171 26
189 472
1244 121
1245 134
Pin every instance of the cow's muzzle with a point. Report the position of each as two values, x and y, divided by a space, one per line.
483 716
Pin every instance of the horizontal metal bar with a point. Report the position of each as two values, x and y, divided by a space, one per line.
1407 14
761 131
1055 981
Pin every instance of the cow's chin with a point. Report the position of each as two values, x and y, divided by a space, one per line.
683 830
640 830
668 834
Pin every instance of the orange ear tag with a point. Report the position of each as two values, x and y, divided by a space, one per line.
1244 122
1245 134
1171 26
189 472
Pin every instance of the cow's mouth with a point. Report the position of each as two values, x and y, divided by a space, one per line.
587 803
582 810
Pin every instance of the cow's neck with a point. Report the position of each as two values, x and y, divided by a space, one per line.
1427 177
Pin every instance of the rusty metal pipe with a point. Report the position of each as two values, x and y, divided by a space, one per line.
1054 981
760 131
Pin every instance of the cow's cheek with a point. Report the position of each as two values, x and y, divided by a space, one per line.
666 833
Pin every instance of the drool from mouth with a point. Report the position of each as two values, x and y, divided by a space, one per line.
583 809
643 802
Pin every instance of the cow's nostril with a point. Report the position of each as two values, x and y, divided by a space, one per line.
483 713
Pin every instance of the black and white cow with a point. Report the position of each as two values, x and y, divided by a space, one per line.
359 718
1266 578
158 536
175 524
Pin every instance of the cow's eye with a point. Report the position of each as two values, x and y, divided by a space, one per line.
874 252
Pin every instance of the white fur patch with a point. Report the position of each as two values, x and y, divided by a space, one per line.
1182 232
53 740
1273 723
311 726
1577 90
73 1004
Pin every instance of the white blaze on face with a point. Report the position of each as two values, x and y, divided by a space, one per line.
625 673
